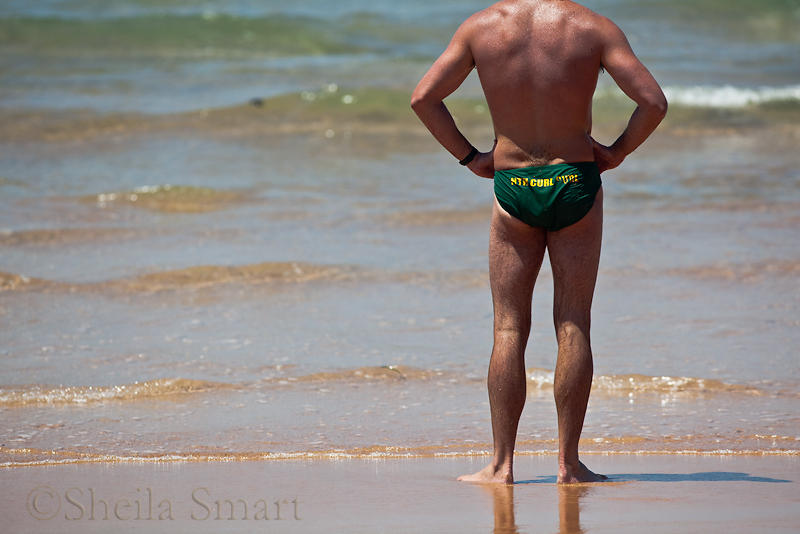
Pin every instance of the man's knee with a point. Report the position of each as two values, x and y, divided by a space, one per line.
573 331
512 330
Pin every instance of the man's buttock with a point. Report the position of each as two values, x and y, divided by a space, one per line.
550 196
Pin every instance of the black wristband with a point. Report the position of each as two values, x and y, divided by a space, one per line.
470 156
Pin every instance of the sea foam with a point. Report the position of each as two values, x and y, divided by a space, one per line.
728 96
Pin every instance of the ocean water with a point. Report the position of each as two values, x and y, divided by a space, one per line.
223 234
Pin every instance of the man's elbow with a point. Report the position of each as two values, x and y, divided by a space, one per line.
657 105
417 101
422 100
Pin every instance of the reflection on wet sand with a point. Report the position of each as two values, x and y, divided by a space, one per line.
504 520
569 509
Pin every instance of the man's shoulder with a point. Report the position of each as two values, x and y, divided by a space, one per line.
599 24
507 14
484 19
592 28
511 10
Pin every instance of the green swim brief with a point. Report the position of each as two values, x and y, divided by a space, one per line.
550 196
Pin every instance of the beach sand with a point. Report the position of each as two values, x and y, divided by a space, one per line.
647 493
236 269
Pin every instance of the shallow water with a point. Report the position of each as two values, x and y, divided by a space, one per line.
187 272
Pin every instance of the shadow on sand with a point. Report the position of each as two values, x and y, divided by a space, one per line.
711 476
570 495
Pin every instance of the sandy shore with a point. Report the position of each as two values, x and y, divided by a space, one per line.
648 493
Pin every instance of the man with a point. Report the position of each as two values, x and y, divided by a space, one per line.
538 62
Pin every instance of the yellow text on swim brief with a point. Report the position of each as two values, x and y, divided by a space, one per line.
544 182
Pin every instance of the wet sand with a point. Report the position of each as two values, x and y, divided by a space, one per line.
647 493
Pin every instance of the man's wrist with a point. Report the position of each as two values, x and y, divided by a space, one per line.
472 153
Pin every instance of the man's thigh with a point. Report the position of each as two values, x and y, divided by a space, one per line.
516 251
574 257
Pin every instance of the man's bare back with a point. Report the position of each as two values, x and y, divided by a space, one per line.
538 52
538 62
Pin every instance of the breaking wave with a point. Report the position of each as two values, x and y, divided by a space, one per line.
171 198
196 277
635 383
635 445
728 96
151 389
538 379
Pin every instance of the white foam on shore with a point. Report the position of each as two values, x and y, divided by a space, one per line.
723 96
728 96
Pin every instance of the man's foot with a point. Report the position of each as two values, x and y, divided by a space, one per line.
490 475
567 475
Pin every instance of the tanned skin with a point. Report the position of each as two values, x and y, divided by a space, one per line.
538 62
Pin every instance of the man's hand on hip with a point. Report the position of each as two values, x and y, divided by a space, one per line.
606 157
483 163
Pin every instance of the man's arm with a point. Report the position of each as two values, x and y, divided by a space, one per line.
635 81
445 76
